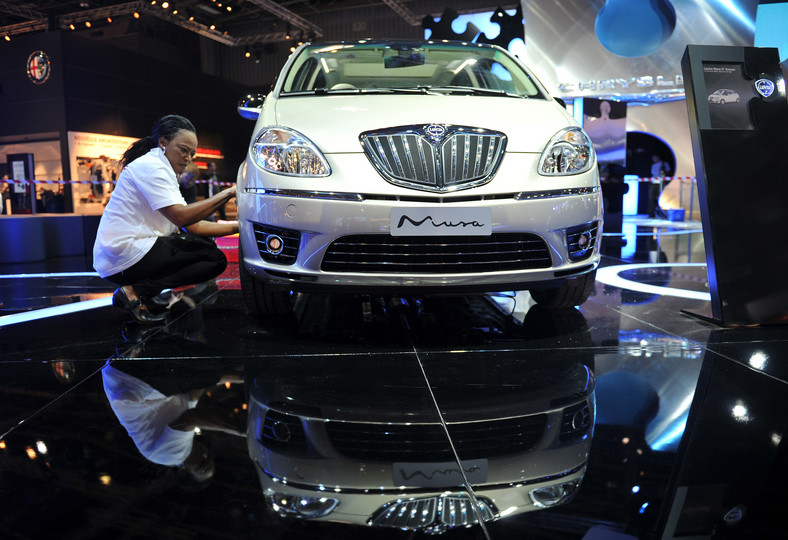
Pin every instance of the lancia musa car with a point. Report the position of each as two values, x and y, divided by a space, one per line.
414 166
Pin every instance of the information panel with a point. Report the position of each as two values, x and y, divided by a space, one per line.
738 115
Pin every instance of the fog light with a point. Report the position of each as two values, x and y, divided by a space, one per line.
274 244
584 240
301 506
281 431
554 495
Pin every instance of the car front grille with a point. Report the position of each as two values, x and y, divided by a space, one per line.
450 510
427 442
435 157
382 253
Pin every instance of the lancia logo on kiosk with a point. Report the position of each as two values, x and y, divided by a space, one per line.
38 67
765 87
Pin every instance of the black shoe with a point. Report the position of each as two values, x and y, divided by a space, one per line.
119 299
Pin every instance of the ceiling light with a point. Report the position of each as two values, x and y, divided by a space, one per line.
109 19
136 15
87 23
7 38
165 5
72 26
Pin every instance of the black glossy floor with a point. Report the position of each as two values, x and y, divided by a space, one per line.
688 440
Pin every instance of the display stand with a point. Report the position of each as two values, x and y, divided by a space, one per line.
738 116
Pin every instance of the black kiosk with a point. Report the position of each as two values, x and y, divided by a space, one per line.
738 115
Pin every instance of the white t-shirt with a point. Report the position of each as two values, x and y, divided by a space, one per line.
131 221
145 413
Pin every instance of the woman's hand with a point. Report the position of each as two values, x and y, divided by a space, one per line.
190 214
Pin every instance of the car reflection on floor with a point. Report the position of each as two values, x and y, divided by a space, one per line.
372 440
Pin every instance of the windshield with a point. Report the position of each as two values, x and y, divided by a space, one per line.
375 67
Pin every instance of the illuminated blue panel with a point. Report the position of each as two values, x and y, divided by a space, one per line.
771 27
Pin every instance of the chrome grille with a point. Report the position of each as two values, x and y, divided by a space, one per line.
427 442
450 510
435 157
382 253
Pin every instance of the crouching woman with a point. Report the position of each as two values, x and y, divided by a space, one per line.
149 239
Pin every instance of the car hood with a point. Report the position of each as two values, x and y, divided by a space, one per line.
334 123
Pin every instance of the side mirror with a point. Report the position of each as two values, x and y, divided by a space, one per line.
560 102
249 106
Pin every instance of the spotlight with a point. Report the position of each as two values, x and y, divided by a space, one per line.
213 27
247 53
109 20
229 8
165 5
287 35
136 15
7 37
87 23
72 27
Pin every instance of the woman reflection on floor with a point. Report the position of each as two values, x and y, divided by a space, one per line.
159 406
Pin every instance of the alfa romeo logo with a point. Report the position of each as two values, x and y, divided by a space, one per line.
38 67
765 87
435 132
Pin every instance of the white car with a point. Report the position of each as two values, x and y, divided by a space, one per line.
432 166
724 95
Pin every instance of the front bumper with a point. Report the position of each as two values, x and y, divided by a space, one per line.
431 511
316 219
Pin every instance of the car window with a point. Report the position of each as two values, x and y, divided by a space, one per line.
381 66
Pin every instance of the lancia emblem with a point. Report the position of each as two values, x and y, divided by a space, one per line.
38 67
435 131
765 87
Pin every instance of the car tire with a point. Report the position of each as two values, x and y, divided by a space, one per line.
572 293
259 297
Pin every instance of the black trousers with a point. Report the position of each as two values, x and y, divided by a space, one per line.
173 261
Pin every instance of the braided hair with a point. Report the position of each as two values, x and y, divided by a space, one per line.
167 126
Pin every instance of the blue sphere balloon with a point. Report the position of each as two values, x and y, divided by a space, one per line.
634 28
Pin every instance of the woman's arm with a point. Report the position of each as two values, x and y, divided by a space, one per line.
189 214
211 228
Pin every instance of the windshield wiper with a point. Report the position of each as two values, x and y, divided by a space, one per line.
475 91
424 89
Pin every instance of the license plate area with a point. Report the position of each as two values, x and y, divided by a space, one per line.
439 474
440 221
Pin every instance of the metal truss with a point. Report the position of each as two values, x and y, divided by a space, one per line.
146 8
403 11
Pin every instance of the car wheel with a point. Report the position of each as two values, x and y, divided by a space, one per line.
259 297
572 293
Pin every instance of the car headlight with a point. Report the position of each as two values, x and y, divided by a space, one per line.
568 152
301 506
285 151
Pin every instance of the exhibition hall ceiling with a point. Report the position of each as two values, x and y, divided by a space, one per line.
231 22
